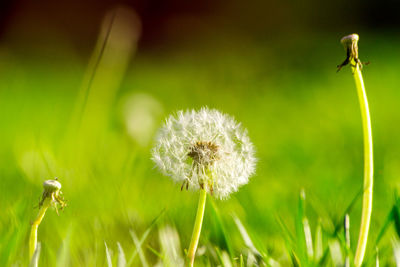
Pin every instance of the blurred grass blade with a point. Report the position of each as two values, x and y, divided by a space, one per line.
116 44
318 241
13 236
396 250
386 224
63 254
336 253
347 239
377 258
226 259
254 253
36 255
289 240
308 238
220 227
295 259
339 226
223 258
135 252
155 252
121 256
396 216
108 255
301 243
272 263
144 237
245 236
241 261
171 246
139 250
286 232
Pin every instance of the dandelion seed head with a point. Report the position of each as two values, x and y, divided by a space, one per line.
205 149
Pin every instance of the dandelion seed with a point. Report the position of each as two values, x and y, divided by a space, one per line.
205 149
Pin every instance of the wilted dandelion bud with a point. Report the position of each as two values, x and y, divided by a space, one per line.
51 196
52 191
205 149
350 43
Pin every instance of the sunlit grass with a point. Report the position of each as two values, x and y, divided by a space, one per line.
300 114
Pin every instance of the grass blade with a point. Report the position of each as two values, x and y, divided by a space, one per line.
36 255
139 250
220 227
108 255
301 243
386 224
241 261
246 238
171 247
308 238
347 239
223 258
339 226
144 237
63 253
396 216
396 251
318 242
336 253
121 256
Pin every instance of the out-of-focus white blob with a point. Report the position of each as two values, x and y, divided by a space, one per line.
36 164
141 113
171 247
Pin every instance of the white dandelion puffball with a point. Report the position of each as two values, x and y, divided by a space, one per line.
205 149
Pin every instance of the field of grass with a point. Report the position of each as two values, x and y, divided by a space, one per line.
301 115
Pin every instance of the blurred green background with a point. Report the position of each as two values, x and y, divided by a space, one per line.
87 111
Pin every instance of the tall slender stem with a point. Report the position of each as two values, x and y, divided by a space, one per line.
368 166
197 228
35 226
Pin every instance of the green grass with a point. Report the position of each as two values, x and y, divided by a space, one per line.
302 116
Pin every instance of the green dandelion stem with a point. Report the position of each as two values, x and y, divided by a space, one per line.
350 43
368 167
197 228
35 225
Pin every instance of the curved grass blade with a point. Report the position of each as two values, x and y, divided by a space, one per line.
121 256
144 237
108 255
339 226
139 250
220 226
36 255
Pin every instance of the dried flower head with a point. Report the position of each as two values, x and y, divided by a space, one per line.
205 149
52 190
350 43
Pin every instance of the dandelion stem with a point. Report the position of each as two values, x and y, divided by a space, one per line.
197 228
350 43
368 165
35 225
